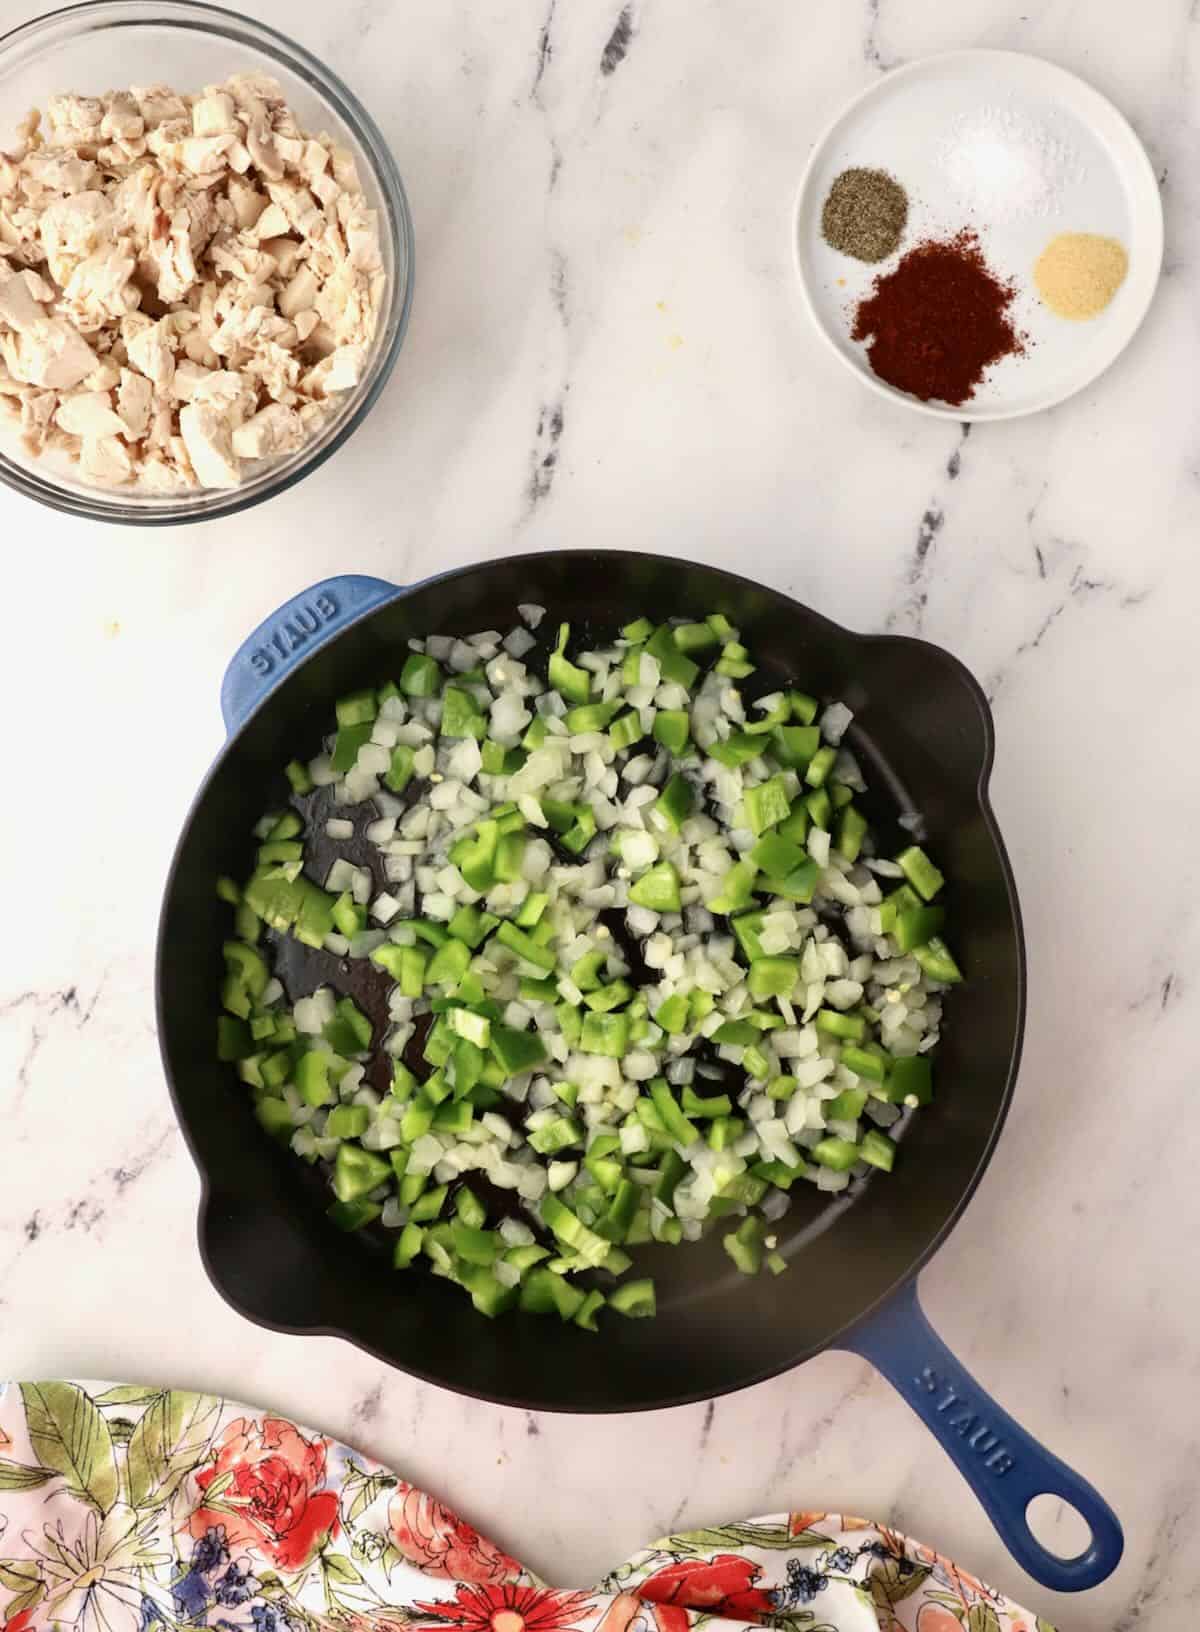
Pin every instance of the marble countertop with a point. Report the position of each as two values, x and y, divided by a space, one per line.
607 348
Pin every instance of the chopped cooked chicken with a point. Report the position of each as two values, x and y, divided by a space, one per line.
89 413
187 283
135 397
152 351
274 429
209 441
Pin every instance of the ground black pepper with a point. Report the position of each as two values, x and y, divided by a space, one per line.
864 214
938 321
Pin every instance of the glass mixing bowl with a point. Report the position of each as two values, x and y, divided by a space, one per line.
112 44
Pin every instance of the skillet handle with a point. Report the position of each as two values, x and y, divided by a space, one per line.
1004 1466
293 632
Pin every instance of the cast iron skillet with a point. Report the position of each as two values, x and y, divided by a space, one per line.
924 734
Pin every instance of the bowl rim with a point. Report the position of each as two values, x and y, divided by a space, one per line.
323 1325
94 504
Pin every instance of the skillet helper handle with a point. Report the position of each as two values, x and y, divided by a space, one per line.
293 632
1004 1465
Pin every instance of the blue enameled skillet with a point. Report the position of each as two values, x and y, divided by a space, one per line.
923 732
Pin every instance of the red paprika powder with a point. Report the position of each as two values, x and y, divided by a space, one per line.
938 320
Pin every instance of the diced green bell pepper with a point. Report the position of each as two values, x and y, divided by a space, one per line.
681 1131
545 1292
776 856
839 1154
461 716
573 684
936 960
851 831
352 1215
420 676
311 1076
870 1063
910 1080
428 1205
737 750
672 1015
737 888
671 729
349 1032
609 997
523 944
744 1245
877 1149
475 856
847 1107
657 888
627 730
675 802
349 739
634 1299
297 774
835 1024
449 964
516 1051
820 765
820 808
695 637
676 666
708 1106
356 1172
275 1116
399 773
773 977
920 872
606 1034
349 918
408 1245
357 708
795 745
917 927
234 1041
347 1122
588 717
766 804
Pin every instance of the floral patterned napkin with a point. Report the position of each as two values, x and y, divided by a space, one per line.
154 1510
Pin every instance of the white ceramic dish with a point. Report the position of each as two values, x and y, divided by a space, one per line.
1107 186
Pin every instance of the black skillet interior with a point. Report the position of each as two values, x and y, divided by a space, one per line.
923 734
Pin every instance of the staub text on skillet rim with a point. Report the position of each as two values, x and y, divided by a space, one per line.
924 734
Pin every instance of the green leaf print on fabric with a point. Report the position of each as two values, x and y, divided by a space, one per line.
19 1476
69 1434
127 1394
23 1579
360 1489
982 1618
739 1535
172 1436
894 1580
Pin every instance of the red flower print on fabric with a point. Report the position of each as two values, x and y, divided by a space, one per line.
724 1584
270 1492
509 1608
435 1539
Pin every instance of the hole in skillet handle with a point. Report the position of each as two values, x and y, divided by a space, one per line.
1003 1464
293 632
1061 1528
